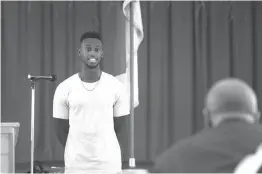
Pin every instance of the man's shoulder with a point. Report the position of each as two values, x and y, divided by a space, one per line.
111 79
178 147
67 83
185 144
171 159
189 144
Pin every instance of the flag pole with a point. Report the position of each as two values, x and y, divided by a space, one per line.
132 163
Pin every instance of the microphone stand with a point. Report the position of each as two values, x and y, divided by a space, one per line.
32 124
33 85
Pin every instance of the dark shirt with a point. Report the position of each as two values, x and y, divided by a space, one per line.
214 150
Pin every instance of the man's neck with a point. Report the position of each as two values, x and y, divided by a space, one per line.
229 118
90 75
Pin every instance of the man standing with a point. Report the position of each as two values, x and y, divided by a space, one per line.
86 108
232 112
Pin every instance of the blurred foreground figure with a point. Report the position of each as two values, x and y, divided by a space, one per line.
251 163
232 131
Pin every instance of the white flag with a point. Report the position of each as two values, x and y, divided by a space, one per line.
138 37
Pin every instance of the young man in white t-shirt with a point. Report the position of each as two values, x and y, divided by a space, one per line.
86 108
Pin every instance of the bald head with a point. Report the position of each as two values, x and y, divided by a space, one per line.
231 95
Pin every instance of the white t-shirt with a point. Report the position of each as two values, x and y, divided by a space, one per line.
92 145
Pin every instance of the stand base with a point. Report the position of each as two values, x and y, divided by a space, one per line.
132 162
135 171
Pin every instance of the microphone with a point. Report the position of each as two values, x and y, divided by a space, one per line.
51 77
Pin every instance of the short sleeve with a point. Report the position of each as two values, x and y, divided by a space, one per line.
121 106
60 104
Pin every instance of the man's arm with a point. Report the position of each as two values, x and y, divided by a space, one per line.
61 129
61 114
120 126
121 113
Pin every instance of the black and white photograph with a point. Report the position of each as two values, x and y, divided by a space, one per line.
131 87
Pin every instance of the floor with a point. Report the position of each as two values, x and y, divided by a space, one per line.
57 166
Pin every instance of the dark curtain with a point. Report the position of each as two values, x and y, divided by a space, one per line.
187 46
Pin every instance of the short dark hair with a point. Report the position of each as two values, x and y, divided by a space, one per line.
90 34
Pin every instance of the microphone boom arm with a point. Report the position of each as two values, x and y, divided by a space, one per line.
51 77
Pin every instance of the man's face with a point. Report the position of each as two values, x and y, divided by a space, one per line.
91 52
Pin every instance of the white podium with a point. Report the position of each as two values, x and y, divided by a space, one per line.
9 135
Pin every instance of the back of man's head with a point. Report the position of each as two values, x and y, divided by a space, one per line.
231 98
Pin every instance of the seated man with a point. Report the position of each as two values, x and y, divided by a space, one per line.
232 116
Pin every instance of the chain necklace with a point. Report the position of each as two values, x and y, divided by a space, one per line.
95 84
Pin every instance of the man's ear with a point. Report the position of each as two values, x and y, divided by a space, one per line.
206 118
79 52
